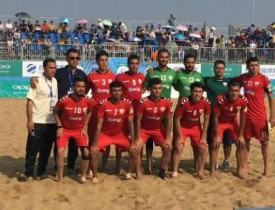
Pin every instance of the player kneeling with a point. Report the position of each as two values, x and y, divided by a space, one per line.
149 115
72 114
187 124
226 108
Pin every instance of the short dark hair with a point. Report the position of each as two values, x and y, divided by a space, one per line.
115 84
132 57
101 53
48 60
161 51
251 59
154 81
79 79
71 50
196 84
234 82
189 55
219 62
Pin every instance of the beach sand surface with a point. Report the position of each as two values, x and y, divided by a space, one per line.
224 192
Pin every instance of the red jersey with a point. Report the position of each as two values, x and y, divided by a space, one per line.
153 112
229 109
254 90
191 112
73 112
114 115
131 85
99 83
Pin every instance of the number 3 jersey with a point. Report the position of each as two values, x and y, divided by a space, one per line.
73 112
99 83
114 115
153 112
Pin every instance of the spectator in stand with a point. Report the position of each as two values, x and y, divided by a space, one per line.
85 30
45 27
37 26
10 46
79 28
1 28
16 35
30 26
171 20
23 26
15 25
9 25
51 26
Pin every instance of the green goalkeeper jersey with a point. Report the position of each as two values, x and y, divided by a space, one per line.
184 80
167 78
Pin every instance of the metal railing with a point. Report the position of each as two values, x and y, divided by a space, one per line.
146 52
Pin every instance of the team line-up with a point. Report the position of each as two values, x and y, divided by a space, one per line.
59 113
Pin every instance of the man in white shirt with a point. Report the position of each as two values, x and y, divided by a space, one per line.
9 25
41 124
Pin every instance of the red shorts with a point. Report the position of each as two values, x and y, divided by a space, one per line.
256 129
194 133
231 128
158 135
62 141
120 140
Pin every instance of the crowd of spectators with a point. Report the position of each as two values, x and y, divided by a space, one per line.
51 35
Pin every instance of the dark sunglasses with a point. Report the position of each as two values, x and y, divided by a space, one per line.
74 58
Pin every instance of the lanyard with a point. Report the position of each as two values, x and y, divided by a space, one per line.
70 77
50 87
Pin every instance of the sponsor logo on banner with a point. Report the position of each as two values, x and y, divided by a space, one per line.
10 68
14 88
35 68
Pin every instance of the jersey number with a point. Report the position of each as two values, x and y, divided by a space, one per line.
77 110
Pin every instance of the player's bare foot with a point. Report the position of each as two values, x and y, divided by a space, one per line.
94 180
82 179
138 175
128 176
200 175
174 174
240 175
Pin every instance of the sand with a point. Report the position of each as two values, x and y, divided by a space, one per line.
223 192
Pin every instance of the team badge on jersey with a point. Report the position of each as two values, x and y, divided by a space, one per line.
121 111
139 81
109 81
201 111
224 84
85 109
170 78
256 83
162 109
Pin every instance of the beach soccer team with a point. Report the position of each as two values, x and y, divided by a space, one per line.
59 113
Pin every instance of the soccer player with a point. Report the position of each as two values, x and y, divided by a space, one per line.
111 114
131 80
187 76
215 86
226 108
150 113
99 81
65 77
41 125
187 124
72 114
255 86
167 77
